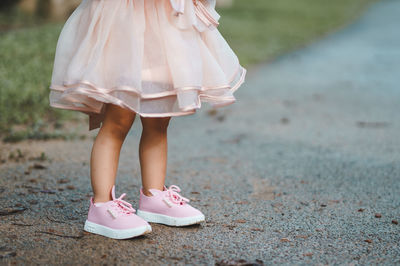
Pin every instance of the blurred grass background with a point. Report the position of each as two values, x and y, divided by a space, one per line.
257 30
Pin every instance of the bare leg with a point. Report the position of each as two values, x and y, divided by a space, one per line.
106 150
153 152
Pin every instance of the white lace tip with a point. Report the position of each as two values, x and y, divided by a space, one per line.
168 202
112 213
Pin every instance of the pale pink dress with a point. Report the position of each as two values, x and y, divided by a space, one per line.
156 57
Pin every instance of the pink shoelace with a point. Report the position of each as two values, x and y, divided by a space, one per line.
121 207
172 193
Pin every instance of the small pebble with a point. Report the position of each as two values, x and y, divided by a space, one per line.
39 166
63 181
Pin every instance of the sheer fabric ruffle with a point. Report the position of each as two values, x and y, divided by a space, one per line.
156 57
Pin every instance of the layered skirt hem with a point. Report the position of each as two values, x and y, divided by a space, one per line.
86 97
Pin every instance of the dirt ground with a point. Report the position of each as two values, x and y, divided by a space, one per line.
302 169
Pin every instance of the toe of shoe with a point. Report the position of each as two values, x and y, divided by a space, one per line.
140 221
193 212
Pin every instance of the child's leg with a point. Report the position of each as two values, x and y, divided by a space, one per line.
160 206
153 152
106 150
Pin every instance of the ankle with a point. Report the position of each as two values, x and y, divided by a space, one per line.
147 192
101 199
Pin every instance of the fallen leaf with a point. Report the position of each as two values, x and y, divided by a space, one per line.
22 224
39 166
10 211
240 262
63 181
48 191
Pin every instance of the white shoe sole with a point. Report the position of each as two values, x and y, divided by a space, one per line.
116 233
169 220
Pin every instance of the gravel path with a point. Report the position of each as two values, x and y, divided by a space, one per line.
304 168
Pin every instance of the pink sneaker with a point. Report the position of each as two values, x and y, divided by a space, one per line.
115 219
168 207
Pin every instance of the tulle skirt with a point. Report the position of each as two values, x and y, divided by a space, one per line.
156 57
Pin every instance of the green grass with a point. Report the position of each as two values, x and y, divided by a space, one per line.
257 30
26 62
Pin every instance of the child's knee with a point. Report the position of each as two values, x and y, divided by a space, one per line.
121 126
118 127
155 123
